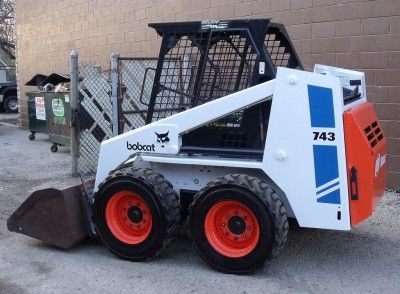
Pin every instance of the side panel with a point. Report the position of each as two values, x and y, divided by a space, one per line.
305 151
195 177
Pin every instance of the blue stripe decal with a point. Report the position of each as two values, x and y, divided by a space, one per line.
321 107
326 170
327 188
325 157
332 197
325 164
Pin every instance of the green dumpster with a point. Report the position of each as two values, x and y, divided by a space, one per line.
36 113
58 118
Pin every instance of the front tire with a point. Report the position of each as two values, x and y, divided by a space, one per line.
136 213
237 223
11 104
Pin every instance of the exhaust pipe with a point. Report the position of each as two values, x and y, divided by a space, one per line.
57 217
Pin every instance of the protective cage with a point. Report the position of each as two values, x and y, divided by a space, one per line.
202 61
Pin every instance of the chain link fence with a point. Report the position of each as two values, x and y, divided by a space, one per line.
94 121
95 118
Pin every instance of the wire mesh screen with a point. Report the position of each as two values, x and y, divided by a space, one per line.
173 86
279 47
277 52
136 77
94 115
201 67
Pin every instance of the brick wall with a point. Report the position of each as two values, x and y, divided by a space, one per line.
356 34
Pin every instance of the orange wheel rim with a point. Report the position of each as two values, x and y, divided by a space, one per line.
232 229
128 217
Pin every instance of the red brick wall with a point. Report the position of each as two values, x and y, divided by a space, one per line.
356 34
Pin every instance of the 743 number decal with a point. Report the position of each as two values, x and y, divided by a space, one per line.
330 136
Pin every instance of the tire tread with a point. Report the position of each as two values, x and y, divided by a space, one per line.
169 199
266 194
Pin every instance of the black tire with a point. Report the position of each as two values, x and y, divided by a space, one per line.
164 206
11 104
54 148
265 205
31 136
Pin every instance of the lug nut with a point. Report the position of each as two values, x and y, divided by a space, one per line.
236 213
248 227
130 203
138 226
235 238
130 225
227 216
227 233
124 209
223 224
244 236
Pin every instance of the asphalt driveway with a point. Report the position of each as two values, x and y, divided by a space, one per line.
366 259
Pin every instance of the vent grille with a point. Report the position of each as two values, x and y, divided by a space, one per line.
374 133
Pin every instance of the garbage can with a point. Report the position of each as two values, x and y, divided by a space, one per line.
58 118
36 113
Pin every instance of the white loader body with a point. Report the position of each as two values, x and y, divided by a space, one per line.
310 171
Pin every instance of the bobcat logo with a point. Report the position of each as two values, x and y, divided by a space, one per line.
162 138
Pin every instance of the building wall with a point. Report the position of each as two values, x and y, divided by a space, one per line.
356 34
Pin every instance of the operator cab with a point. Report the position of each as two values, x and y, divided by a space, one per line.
203 61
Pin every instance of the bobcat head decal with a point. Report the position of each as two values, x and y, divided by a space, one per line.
162 138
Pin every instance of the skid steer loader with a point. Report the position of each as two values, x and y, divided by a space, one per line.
238 138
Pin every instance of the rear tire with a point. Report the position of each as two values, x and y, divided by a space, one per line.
237 223
11 104
136 213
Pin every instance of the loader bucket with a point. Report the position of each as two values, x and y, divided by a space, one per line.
54 216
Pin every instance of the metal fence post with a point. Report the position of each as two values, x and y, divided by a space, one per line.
114 92
74 106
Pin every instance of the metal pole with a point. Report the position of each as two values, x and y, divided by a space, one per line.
114 92
74 106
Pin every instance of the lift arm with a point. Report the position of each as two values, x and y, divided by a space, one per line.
146 139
